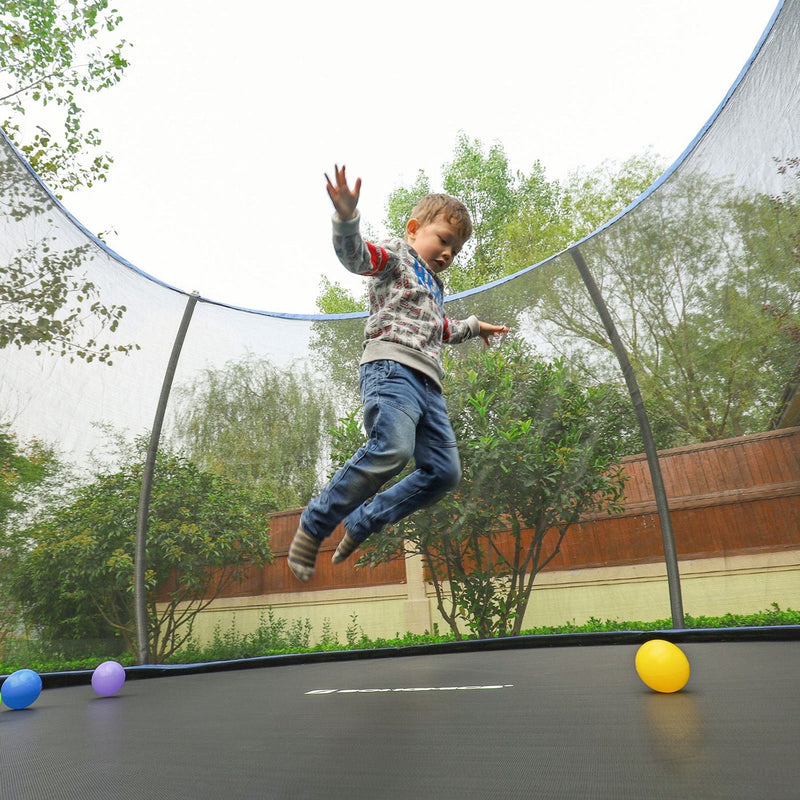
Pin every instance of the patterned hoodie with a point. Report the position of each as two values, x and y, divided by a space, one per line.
406 321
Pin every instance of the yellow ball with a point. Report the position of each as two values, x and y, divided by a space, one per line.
662 666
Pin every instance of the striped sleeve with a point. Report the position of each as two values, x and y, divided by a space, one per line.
356 255
459 330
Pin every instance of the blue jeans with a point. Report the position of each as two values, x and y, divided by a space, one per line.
405 417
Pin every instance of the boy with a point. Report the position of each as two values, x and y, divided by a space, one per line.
400 375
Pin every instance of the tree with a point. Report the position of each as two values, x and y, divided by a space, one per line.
49 303
595 196
771 234
76 578
687 276
551 216
24 468
541 225
487 187
258 425
538 451
51 54
401 202
522 218
333 298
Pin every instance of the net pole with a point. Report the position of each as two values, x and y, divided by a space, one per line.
140 556
662 506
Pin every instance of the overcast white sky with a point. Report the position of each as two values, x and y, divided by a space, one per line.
229 115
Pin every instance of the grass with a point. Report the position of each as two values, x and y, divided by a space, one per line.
277 636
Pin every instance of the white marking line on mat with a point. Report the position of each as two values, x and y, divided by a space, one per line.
413 689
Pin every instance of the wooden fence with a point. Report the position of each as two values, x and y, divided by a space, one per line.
732 497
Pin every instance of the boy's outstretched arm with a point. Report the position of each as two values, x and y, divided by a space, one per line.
344 198
488 332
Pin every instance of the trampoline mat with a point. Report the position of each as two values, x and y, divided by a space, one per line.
556 722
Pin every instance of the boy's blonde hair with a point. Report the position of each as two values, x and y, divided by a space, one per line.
433 206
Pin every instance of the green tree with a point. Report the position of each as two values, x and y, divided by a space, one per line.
484 182
541 225
52 54
538 451
687 276
24 469
333 298
48 302
258 425
551 216
770 228
76 578
595 196
401 202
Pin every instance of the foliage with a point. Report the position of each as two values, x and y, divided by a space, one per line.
51 54
273 634
596 196
401 202
542 223
24 470
346 438
258 425
523 218
551 216
538 451
276 636
485 184
76 578
334 299
690 278
48 302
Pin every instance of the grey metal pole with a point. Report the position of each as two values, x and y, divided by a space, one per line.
662 506
140 556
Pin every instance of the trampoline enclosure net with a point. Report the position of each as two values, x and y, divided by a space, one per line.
706 258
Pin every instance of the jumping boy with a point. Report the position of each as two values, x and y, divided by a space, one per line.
400 375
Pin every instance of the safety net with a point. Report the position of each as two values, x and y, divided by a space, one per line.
700 278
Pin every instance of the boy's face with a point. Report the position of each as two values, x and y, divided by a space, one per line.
438 242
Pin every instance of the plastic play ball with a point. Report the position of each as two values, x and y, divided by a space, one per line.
21 688
108 677
662 666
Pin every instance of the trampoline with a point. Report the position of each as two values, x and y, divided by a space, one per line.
550 717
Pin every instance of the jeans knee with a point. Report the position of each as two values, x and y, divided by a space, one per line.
449 474
389 462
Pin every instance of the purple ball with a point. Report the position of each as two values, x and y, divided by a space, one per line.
108 677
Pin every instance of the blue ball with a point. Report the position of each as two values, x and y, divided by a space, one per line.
21 688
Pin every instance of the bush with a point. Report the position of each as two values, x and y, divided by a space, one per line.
277 636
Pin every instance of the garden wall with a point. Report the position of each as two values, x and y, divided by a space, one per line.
735 509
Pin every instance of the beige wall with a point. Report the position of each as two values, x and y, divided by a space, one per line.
710 587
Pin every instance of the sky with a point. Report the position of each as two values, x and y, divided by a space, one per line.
228 118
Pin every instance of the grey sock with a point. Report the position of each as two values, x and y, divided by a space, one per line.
346 546
303 555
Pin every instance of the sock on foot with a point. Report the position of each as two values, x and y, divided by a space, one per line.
346 546
303 555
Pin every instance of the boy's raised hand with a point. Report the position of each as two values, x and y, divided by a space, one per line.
343 198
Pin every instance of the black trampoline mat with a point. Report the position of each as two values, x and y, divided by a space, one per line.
557 722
